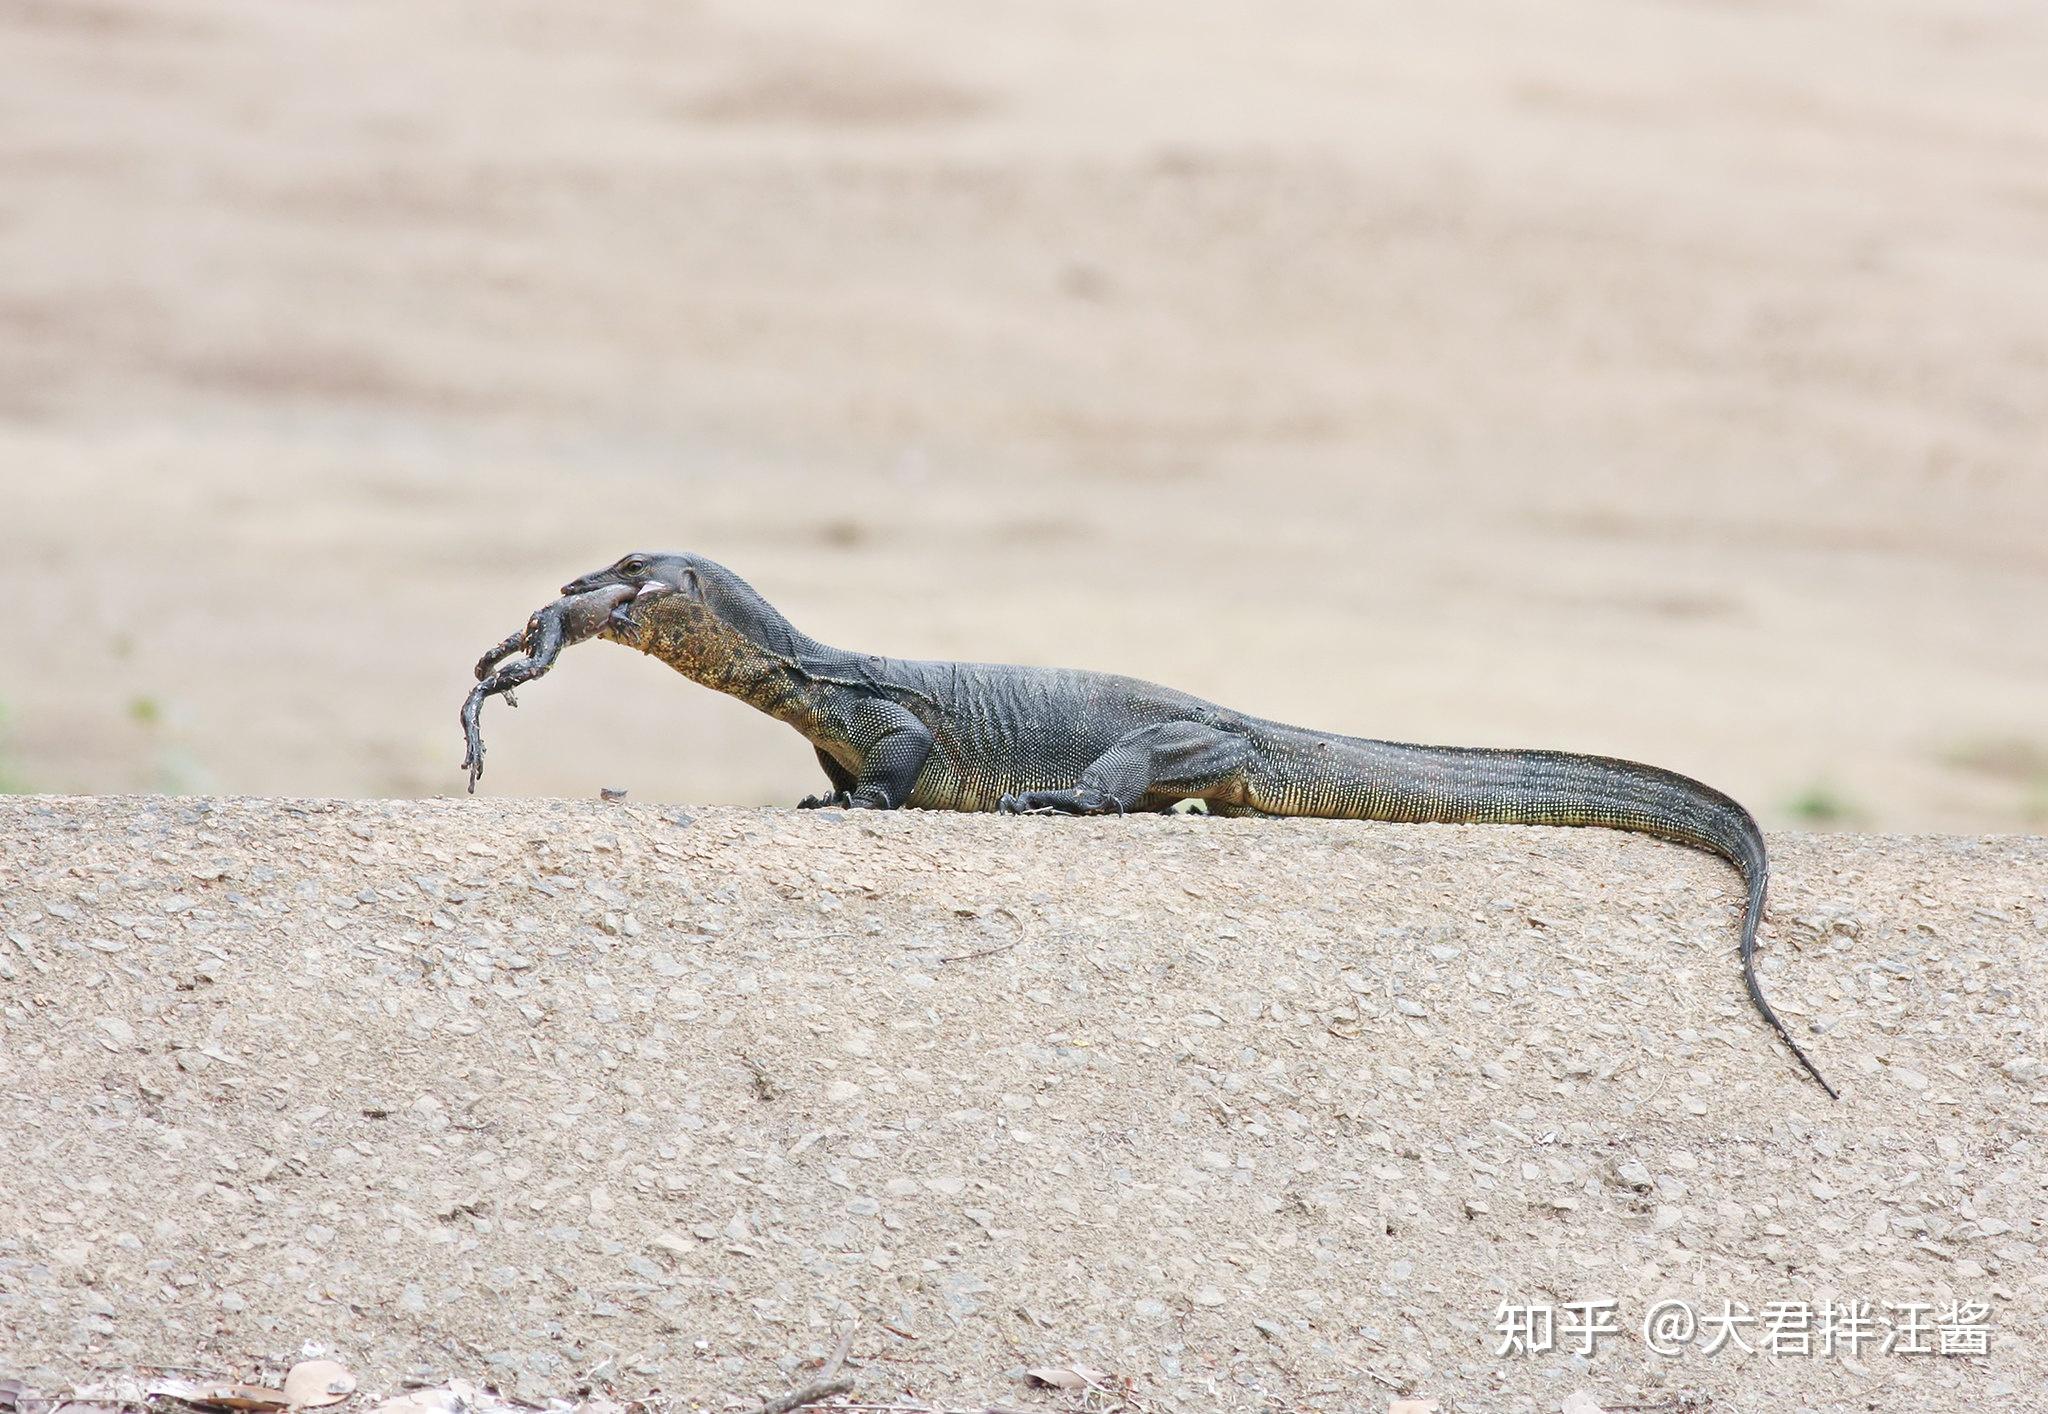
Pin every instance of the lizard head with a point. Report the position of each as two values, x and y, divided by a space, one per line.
643 572
697 616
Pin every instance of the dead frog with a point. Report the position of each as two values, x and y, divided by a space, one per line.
568 620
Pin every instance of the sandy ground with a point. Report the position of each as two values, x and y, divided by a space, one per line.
1249 1114
1661 379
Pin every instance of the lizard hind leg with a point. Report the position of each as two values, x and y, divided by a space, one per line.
1149 769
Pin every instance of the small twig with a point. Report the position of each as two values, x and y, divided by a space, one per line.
839 1354
900 1408
809 1394
983 952
909 1409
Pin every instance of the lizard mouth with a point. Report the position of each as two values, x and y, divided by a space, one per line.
628 598
625 593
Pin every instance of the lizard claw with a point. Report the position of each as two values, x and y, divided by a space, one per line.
1085 800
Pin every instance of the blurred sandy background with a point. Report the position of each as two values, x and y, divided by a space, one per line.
1662 379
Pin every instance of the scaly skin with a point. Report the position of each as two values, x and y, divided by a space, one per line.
893 732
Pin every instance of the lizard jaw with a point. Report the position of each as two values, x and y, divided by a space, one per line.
628 600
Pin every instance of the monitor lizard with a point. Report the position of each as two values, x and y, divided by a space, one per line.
893 732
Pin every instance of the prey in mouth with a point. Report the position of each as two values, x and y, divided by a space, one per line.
589 605
570 619
636 577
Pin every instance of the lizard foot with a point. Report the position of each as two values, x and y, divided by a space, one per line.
838 799
1084 801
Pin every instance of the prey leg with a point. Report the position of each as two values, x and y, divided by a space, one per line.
544 638
512 644
472 735
570 619
1153 764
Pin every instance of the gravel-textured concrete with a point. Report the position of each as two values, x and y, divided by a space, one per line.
1249 1113
1656 378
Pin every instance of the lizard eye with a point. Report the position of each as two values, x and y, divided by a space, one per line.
632 564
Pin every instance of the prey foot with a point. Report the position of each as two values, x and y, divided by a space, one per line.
472 736
838 799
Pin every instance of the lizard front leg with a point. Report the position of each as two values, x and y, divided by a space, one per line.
843 782
893 746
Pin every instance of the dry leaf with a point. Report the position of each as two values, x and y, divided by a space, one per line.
1067 1376
1412 1406
1581 1401
124 1390
422 1401
313 1383
429 1400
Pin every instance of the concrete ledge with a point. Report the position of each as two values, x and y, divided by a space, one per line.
1249 1113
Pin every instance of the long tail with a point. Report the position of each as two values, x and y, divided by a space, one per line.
1382 780
1749 857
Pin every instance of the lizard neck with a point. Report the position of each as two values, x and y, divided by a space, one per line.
741 645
